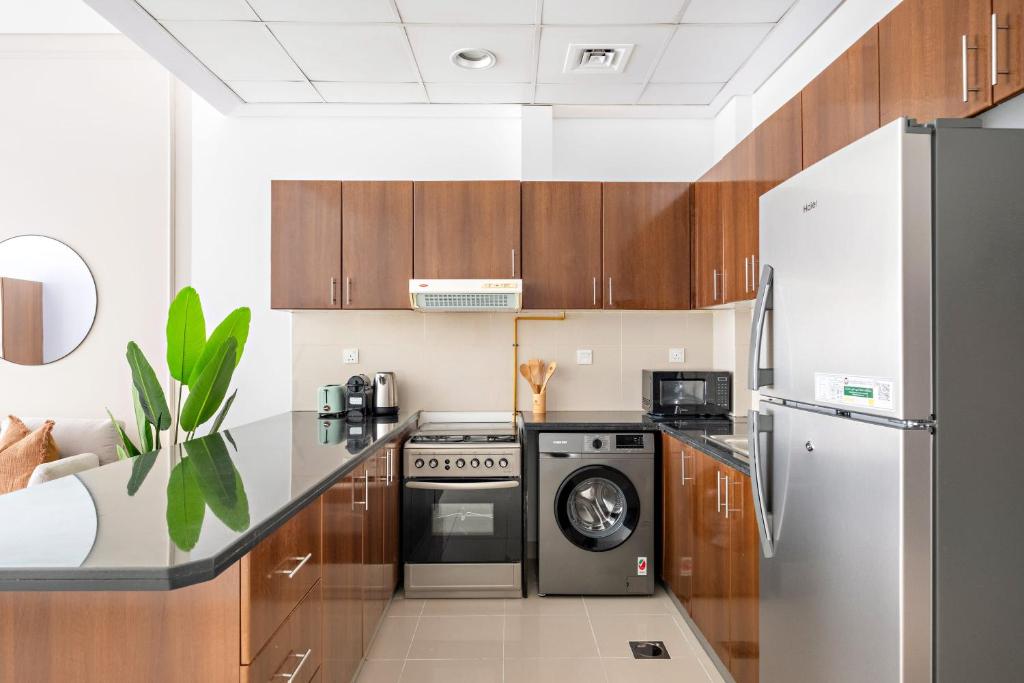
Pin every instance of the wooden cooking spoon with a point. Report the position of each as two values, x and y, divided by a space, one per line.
551 370
536 373
524 370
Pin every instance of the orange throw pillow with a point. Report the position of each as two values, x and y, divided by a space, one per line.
16 431
20 459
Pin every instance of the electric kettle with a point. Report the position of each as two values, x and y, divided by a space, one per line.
385 394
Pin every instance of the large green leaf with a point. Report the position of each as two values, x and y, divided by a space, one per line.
140 470
145 429
126 444
208 390
185 506
219 481
223 412
186 334
151 394
234 326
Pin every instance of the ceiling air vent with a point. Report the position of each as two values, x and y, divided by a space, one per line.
598 59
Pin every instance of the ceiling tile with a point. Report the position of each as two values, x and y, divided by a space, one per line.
736 11
468 11
324 10
555 41
336 52
236 50
480 93
587 93
612 11
512 45
275 91
708 54
680 93
377 93
199 10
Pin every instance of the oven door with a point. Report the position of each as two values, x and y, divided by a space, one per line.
462 521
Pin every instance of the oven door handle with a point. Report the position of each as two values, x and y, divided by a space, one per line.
462 486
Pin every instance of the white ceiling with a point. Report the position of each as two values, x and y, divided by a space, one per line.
684 52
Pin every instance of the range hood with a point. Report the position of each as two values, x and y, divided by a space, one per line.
466 295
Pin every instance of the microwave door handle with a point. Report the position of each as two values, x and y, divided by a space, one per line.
462 485
759 424
760 377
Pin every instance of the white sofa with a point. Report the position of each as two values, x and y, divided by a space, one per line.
83 445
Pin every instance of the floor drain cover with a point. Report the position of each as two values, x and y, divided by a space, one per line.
648 649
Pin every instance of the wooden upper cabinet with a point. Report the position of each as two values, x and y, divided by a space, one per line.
305 244
924 71
646 252
707 242
376 254
739 222
1008 48
562 245
778 145
466 229
841 104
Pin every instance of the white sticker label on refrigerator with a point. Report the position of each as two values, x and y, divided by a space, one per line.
641 566
853 391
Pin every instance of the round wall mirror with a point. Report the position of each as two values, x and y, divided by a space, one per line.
47 300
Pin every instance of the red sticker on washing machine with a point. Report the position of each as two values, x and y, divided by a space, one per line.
641 566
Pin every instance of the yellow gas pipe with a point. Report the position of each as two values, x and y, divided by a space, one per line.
515 354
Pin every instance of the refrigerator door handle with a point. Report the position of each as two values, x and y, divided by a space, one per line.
759 376
760 424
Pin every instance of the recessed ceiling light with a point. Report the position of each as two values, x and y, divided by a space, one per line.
474 58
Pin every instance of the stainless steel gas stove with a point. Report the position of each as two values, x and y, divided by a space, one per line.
462 515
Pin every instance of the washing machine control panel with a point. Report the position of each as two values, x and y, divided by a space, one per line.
619 442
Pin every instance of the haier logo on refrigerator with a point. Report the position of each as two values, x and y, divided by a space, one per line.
810 206
641 566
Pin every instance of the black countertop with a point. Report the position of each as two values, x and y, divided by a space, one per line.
181 515
692 432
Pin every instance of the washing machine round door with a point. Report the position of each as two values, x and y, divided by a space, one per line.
597 508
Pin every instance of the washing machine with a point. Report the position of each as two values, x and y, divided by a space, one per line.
596 513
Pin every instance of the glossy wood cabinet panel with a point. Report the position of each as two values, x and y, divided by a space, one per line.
841 104
922 59
646 253
467 229
21 315
376 254
190 634
778 145
275 576
392 518
739 221
343 589
678 482
1008 46
562 245
744 559
707 243
374 598
295 650
305 244
710 599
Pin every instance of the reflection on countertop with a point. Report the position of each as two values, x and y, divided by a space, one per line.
180 515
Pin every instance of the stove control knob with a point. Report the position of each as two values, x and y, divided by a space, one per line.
503 463
433 462
418 463
597 444
488 463
475 462
460 463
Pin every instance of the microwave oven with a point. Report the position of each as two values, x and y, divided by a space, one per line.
670 393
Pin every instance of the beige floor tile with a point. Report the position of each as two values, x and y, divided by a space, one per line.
464 607
469 637
659 603
552 606
528 636
452 671
393 638
653 671
554 671
381 671
401 607
614 632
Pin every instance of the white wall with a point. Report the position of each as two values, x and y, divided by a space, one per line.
84 159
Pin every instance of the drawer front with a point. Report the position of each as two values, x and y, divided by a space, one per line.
295 651
276 574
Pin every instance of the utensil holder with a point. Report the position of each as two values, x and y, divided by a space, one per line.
540 403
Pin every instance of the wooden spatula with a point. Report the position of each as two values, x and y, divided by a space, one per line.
524 370
536 373
547 376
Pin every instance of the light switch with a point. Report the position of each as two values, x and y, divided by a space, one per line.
676 356
350 356
584 357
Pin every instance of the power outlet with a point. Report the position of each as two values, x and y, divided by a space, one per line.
676 356
350 356
584 357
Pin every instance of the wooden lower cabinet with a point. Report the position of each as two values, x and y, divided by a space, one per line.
711 552
295 651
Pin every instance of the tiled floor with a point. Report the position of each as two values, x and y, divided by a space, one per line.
537 640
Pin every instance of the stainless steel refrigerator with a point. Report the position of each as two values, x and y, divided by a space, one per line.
887 344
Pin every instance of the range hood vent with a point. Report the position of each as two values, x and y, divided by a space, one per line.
466 295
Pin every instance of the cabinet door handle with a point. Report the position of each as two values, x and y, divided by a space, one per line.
611 300
996 28
714 285
366 483
964 48
334 288
746 274
718 491
302 662
348 290
682 468
513 263
595 291
290 573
